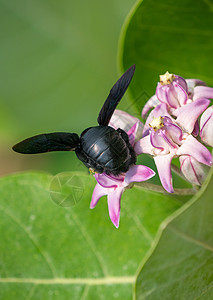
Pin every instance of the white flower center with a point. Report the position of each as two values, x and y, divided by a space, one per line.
167 78
156 123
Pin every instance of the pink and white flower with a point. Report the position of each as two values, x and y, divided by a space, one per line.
165 140
172 90
188 97
114 186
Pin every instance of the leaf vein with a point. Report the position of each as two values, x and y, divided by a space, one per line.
209 288
85 292
191 239
178 280
140 227
79 281
31 293
89 242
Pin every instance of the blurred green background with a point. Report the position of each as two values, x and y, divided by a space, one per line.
58 63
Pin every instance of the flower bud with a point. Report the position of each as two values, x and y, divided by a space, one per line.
194 171
172 90
206 126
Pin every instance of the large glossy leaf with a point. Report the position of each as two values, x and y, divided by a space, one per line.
176 36
50 252
167 35
180 266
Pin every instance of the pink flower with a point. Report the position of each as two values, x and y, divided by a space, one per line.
206 126
177 92
185 99
114 186
166 140
187 116
172 90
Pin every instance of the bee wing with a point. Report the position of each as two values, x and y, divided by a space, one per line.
57 141
115 95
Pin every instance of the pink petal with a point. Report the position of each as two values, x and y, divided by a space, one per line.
187 115
173 94
174 132
208 113
206 126
181 81
161 110
196 129
163 164
168 140
158 141
108 181
123 120
162 92
143 146
202 92
152 102
114 199
177 96
194 171
192 83
138 173
98 192
195 149
132 133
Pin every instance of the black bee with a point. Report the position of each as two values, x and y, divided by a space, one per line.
100 148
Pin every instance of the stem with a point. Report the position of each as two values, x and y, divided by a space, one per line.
160 189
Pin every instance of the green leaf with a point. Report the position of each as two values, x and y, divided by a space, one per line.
51 252
176 36
167 35
180 265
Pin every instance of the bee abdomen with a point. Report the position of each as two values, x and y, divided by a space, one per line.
105 149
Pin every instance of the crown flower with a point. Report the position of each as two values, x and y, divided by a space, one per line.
179 114
164 140
182 97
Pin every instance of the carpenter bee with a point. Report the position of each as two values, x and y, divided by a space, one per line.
100 148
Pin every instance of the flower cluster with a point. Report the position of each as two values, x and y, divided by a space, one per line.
174 128
180 124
